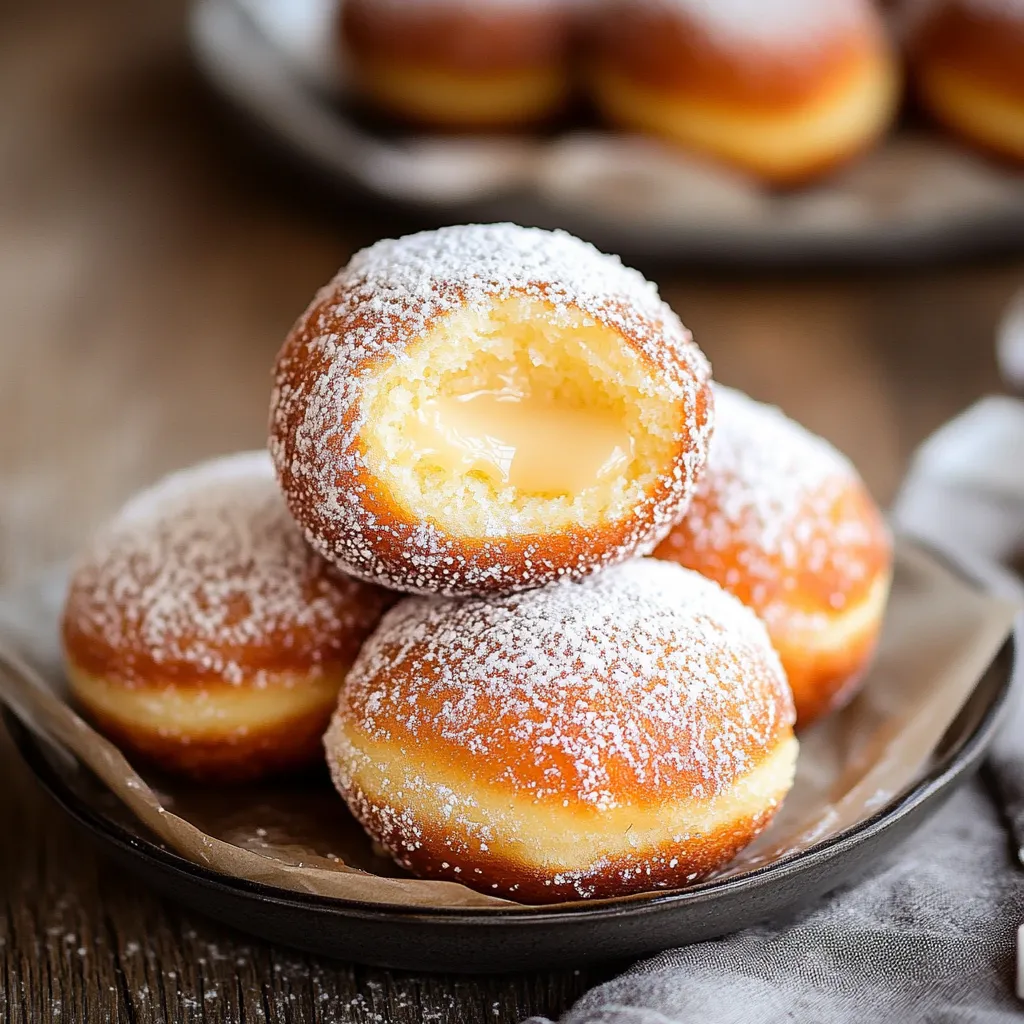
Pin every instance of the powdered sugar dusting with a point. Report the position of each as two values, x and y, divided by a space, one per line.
768 22
472 6
915 16
1010 10
205 576
769 500
638 684
390 295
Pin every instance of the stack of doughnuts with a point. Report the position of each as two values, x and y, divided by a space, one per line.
784 90
498 423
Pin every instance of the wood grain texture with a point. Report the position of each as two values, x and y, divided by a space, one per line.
79 941
151 264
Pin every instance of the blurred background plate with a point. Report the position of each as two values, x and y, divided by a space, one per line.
916 197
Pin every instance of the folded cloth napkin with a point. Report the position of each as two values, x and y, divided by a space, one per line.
930 937
965 492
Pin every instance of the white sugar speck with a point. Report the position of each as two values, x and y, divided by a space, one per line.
765 24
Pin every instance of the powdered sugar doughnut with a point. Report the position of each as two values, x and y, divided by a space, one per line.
460 63
784 89
783 521
967 60
627 732
202 632
485 409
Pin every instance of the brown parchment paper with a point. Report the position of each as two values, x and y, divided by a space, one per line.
940 636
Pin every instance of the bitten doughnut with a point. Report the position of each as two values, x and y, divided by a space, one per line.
487 408
201 632
785 89
627 732
460 63
783 521
967 59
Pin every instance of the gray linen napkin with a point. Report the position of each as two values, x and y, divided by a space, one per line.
965 492
930 936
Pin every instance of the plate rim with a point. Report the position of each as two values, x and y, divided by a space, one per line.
933 784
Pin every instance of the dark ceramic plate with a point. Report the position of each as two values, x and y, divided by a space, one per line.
522 938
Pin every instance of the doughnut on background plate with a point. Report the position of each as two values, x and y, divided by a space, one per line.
967 62
486 65
786 90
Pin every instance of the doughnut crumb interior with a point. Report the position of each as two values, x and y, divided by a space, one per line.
502 419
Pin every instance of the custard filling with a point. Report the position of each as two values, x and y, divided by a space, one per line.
512 438
518 419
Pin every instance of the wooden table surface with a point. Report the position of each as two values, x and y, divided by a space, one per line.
151 263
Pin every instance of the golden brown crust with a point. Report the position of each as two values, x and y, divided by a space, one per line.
799 600
817 574
667 50
482 38
968 65
202 631
204 579
677 865
826 681
978 43
419 671
738 144
370 317
283 649
292 743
